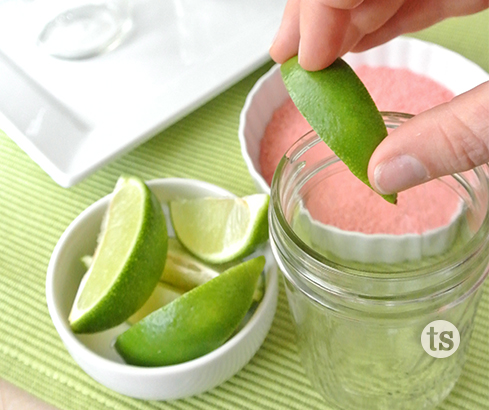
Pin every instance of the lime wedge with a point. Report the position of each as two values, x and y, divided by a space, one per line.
161 296
220 230
339 108
184 270
196 323
128 261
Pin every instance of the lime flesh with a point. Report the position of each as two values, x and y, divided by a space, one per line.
185 271
220 230
127 263
161 296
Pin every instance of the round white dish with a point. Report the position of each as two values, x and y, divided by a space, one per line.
269 93
446 67
94 353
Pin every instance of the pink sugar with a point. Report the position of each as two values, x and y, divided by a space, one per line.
345 202
285 127
402 90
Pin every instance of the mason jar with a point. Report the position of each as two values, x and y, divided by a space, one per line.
383 321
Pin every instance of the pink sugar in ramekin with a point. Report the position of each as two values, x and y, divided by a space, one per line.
355 207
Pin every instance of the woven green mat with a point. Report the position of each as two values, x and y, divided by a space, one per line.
34 211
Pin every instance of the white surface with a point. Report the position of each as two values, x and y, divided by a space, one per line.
86 28
444 66
72 117
94 353
448 68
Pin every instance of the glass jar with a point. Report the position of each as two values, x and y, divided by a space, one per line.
363 303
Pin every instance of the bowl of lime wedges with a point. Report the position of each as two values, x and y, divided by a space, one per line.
166 289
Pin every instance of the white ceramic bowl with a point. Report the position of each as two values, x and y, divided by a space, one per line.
427 59
94 353
446 67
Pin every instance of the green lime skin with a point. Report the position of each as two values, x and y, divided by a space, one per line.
340 110
196 323
139 276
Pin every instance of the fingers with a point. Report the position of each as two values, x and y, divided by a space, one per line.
367 18
343 4
286 42
313 27
452 137
411 16
322 31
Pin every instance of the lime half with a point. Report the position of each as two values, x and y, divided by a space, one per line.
340 109
196 323
220 230
128 261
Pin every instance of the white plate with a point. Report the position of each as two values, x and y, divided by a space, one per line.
72 117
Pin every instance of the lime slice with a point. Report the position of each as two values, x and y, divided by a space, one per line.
220 230
340 109
128 261
196 323
184 270
161 296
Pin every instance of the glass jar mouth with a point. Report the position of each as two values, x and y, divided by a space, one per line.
321 265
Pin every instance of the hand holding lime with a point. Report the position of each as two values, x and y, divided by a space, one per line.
340 109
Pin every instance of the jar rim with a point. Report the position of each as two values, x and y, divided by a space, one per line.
470 248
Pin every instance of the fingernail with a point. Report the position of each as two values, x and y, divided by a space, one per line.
398 174
299 53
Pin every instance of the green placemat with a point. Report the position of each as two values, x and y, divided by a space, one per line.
34 211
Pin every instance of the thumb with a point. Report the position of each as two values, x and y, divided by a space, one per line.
449 138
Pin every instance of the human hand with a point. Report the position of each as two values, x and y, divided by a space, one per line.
322 30
451 137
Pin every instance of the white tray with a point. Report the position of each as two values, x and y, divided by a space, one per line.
73 117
